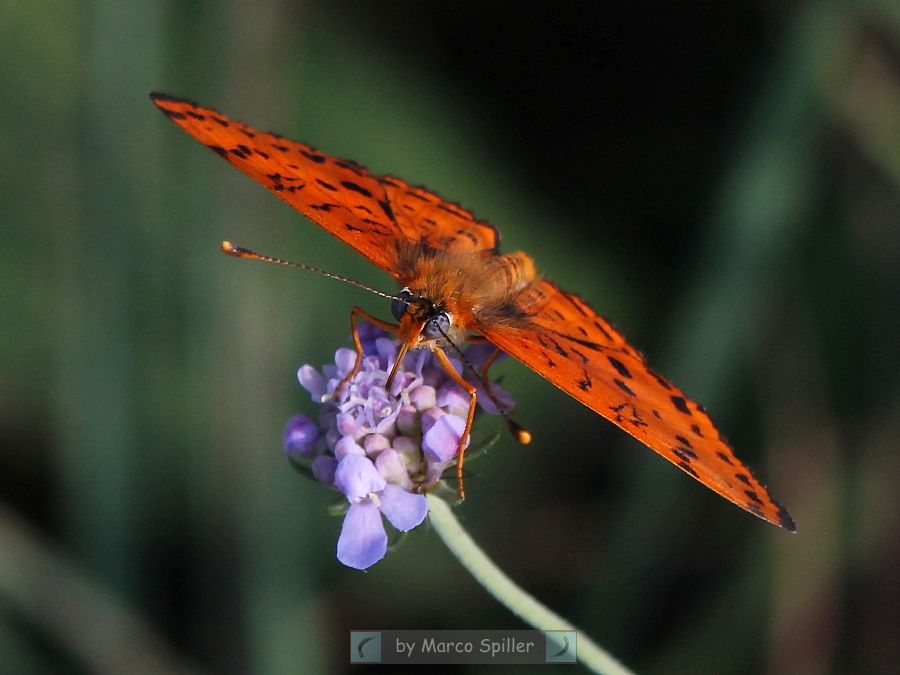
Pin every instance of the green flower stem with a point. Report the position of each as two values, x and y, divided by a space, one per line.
506 591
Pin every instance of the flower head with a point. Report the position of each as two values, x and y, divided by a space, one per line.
382 449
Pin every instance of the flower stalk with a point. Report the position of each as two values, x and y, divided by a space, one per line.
510 594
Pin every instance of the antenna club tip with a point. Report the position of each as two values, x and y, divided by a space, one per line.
521 434
226 247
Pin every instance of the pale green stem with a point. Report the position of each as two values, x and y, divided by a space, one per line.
506 591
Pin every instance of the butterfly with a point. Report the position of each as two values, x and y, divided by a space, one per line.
456 286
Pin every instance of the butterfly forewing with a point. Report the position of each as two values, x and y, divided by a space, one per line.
340 196
565 341
441 225
370 213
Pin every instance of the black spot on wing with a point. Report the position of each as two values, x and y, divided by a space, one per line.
687 467
680 404
600 327
351 166
173 114
459 213
468 234
624 387
753 496
785 518
663 382
313 157
353 187
593 346
388 211
416 195
683 454
619 366
573 300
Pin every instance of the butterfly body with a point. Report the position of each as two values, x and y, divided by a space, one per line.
474 288
455 284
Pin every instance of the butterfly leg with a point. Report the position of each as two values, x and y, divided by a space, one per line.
355 314
488 362
470 390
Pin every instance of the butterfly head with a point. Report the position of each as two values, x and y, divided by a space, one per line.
421 319
422 324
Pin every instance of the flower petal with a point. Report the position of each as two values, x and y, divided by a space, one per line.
347 446
442 439
300 436
423 397
478 353
368 333
313 382
323 468
363 541
403 509
407 420
387 350
376 443
357 477
392 466
453 399
346 424
344 359
487 403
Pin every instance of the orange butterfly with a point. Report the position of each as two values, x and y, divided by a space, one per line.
457 286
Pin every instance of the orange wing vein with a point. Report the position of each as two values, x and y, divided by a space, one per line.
372 214
565 341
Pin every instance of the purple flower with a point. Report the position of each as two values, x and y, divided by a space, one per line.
300 436
363 541
383 449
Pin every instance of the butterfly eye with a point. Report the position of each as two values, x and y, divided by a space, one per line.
400 303
436 326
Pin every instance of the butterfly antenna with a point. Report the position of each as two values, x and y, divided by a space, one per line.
241 252
520 433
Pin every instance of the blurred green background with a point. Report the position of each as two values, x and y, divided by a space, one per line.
721 179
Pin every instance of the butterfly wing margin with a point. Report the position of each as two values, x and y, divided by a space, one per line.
565 341
371 214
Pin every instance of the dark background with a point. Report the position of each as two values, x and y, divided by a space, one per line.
721 179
